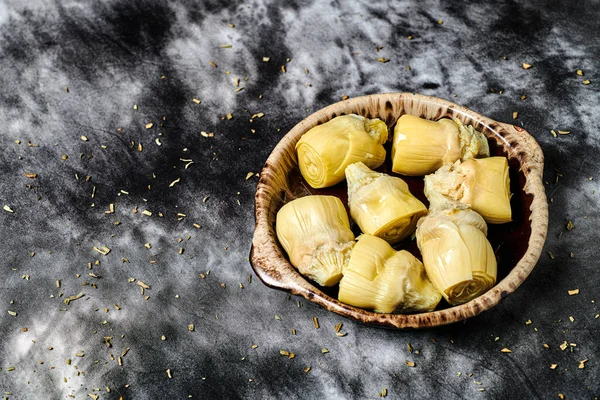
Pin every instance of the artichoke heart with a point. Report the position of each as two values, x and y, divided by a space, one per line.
457 256
422 146
382 205
315 233
326 150
483 184
385 280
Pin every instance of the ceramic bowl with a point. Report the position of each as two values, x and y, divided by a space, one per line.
517 245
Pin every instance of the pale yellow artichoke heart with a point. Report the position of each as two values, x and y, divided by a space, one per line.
421 146
326 150
483 184
457 256
315 233
385 280
382 205
473 143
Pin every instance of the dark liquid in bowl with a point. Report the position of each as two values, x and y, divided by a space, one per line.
509 241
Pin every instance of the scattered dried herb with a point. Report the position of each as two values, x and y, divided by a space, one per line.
102 250
570 225
73 298
143 285
564 345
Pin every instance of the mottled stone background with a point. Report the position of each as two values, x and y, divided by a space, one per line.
105 70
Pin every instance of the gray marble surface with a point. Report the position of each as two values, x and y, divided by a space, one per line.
97 101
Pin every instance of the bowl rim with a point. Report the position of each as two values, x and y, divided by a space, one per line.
273 269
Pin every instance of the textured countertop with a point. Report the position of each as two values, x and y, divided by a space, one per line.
136 128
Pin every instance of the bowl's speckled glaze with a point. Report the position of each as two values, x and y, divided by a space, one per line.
517 245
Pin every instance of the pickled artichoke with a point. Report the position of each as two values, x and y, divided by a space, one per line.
382 205
385 280
457 256
483 184
315 233
326 150
422 146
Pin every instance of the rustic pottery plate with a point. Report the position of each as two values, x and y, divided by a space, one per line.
517 245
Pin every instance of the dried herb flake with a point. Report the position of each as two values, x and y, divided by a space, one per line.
102 250
143 285
570 225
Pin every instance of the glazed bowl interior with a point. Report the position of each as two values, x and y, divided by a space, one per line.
517 245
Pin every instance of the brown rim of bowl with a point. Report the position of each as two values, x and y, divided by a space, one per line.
274 270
